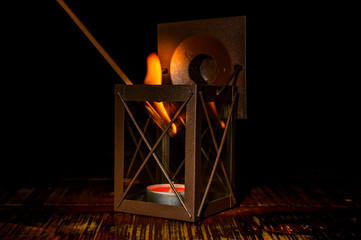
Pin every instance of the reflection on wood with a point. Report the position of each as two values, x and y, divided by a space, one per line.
83 209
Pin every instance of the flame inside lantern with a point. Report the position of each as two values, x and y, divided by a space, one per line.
154 77
212 110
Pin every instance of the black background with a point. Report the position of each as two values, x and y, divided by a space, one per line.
57 94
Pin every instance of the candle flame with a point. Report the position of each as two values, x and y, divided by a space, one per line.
154 77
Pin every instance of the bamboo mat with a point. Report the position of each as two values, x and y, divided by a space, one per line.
82 209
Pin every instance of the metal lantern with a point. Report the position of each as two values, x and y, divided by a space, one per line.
195 163
175 143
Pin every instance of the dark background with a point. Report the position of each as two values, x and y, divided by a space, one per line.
57 94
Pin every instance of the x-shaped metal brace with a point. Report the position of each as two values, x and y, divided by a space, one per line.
218 150
152 153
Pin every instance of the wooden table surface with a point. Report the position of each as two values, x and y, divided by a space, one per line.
83 209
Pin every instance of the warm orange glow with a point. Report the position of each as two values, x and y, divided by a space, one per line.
212 109
154 70
154 77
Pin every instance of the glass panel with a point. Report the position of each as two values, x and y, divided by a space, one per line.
151 183
218 188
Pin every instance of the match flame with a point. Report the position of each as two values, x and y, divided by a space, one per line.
154 77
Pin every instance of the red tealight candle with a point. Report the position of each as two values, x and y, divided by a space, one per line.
163 194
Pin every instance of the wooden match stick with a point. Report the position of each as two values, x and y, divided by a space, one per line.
95 43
